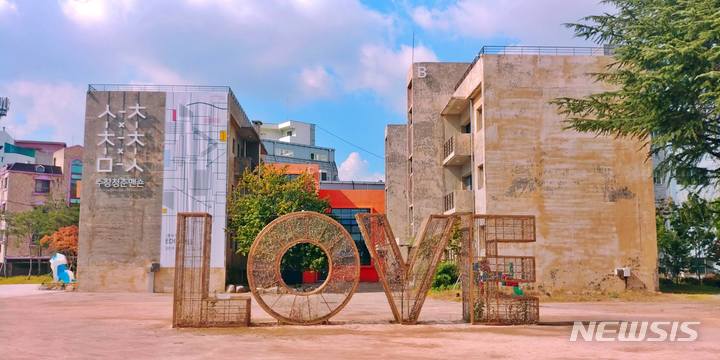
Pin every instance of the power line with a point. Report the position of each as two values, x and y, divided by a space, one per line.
350 143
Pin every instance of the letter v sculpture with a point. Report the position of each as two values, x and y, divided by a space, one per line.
406 284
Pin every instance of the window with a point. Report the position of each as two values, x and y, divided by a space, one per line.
289 133
467 182
323 176
321 157
346 218
234 148
312 156
465 129
479 119
481 177
76 169
42 186
287 152
39 169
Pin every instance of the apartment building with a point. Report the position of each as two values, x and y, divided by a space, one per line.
483 137
293 142
22 187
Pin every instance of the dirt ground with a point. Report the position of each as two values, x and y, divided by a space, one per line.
48 324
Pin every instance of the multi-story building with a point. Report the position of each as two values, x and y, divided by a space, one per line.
22 187
69 159
27 151
484 138
293 142
152 151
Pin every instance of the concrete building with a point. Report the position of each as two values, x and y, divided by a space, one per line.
150 152
22 187
293 142
27 151
69 159
483 137
294 132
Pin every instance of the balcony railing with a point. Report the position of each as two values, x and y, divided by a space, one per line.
449 147
449 201
458 201
457 150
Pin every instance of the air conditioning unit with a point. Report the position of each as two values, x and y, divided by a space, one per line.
623 272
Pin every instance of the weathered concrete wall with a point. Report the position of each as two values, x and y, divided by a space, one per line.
396 203
432 86
120 228
592 195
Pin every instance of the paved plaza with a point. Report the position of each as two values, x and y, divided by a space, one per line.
73 325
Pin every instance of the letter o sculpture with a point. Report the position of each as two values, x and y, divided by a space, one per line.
291 306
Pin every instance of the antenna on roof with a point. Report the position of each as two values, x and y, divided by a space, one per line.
412 56
4 105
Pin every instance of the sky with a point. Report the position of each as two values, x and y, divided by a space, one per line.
340 64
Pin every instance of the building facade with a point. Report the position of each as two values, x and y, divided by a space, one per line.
151 152
22 187
70 159
293 142
484 138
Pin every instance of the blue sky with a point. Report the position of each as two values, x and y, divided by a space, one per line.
338 63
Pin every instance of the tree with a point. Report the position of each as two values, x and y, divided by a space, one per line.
64 240
40 221
666 79
264 194
687 235
696 223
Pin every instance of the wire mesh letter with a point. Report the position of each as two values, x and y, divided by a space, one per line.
406 285
295 307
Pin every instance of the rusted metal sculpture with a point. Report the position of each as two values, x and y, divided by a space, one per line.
493 294
406 285
193 306
291 306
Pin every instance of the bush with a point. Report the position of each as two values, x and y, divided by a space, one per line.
446 275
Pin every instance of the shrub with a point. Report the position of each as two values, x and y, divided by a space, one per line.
446 275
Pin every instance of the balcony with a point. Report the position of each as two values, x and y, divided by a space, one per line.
457 150
458 201
240 164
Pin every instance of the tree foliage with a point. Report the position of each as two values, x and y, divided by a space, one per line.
665 80
64 240
41 221
687 235
264 194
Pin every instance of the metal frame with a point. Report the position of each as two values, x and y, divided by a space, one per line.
484 302
192 304
265 280
406 283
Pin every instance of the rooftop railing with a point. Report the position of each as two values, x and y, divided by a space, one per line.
546 50
538 50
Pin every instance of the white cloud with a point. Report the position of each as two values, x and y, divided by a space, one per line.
315 82
358 169
384 71
89 12
149 72
532 22
7 6
54 108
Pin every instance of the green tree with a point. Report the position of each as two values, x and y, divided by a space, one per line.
43 220
674 251
264 194
687 235
696 223
665 82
